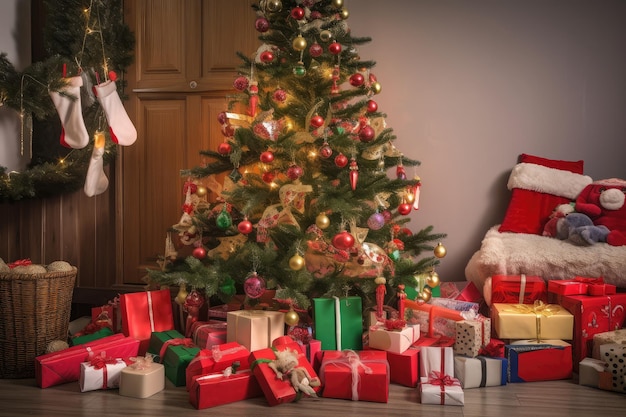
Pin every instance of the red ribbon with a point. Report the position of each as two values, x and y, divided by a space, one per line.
101 362
493 349
21 262
186 342
439 378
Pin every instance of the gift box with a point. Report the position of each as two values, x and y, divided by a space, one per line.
396 341
309 347
434 320
101 372
592 371
146 312
592 315
472 336
278 390
481 371
530 360
438 341
142 378
159 342
441 389
338 322
404 367
516 289
458 305
108 315
79 340
436 358
254 329
614 355
461 290
60 367
604 338
532 321
220 388
206 334
356 376
216 359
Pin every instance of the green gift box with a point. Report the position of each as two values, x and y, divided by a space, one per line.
158 339
338 322
175 352
79 340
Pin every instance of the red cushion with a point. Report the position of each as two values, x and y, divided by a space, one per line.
530 207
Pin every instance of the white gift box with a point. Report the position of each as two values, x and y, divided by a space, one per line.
441 394
396 341
106 377
480 372
439 359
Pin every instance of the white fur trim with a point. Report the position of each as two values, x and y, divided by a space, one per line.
542 179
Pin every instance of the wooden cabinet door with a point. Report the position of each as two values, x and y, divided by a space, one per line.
184 68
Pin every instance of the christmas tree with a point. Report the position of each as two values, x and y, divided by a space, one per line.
315 195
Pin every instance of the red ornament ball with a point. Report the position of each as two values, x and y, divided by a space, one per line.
372 106
199 253
341 160
267 157
245 227
317 121
294 172
367 134
343 240
280 95
297 13
316 50
112 75
268 176
326 151
262 24
334 48
222 118
241 83
404 209
254 286
357 80
266 57
224 148
387 215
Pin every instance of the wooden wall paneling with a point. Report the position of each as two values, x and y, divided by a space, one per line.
9 220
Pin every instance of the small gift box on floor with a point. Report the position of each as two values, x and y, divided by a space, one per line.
206 334
532 321
593 372
60 367
605 338
614 355
284 373
217 359
254 329
481 371
142 378
404 367
356 376
393 340
472 335
145 312
101 372
437 382
338 322
530 360
175 352
223 387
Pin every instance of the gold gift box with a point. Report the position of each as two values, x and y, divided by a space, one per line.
528 321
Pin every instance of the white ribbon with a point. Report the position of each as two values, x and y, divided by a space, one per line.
337 322
150 312
522 289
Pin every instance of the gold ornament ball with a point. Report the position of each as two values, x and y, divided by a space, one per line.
201 191
182 295
440 251
299 43
426 294
296 262
344 14
433 280
325 35
322 221
376 88
337 4
273 5
291 318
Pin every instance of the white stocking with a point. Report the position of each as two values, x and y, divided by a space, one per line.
96 181
123 131
73 131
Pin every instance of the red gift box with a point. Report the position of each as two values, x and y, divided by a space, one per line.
580 286
517 289
217 388
217 359
206 334
404 367
592 315
64 366
356 376
106 316
146 312
530 361
278 391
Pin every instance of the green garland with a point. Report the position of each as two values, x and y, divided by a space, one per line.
53 168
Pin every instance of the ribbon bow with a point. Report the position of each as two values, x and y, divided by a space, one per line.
493 349
291 196
539 309
141 363
186 342
101 361
21 262
441 379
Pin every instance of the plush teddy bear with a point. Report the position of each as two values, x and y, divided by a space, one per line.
603 202
286 365
578 228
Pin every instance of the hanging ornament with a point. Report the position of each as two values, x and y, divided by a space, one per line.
280 95
241 83
268 177
322 221
343 240
337 4
223 220
182 294
376 88
261 24
199 253
372 106
341 160
317 121
297 13
416 193
267 157
344 14
367 134
245 226
326 35
316 50
235 175
201 191
400 172
224 148
299 43
291 317
272 5
254 285
294 172
325 151
425 295
228 286
440 250
381 290
254 98
401 297
296 262
404 208
376 221
354 174
357 80
334 48
266 57
334 89
433 280
299 70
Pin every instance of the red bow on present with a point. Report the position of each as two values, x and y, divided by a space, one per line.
493 349
186 342
438 378
99 362
21 262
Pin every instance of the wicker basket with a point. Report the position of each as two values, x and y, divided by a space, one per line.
34 310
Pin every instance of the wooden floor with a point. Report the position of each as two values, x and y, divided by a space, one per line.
21 397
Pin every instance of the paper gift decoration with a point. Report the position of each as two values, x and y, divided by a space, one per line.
101 372
338 322
220 388
142 378
404 367
146 312
532 361
356 376
592 315
61 367
79 340
592 371
481 371
396 341
472 336
614 355
279 390
216 359
604 338
254 329
206 334
515 289
532 321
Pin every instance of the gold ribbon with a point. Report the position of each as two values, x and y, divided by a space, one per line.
539 309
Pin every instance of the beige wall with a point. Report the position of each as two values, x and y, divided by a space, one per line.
468 85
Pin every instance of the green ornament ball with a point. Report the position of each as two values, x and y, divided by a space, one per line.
224 220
